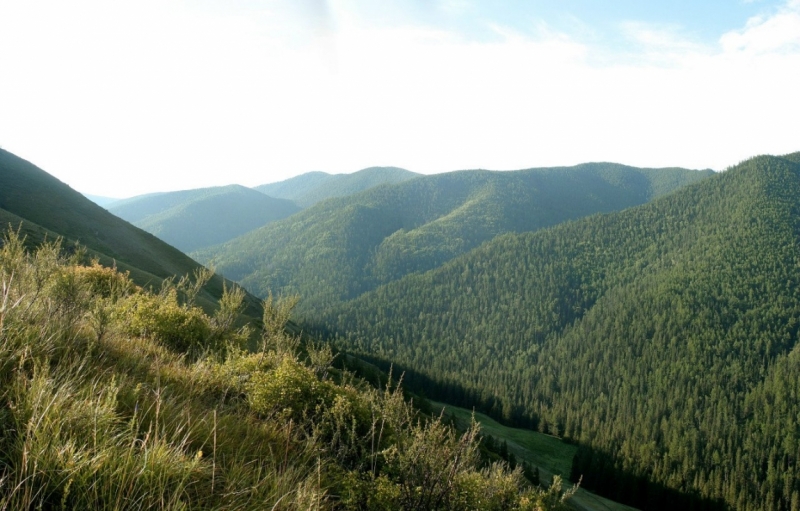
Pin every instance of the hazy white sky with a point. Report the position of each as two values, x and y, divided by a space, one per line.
122 98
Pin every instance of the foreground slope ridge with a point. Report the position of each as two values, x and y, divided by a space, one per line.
343 247
42 207
662 338
33 195
117 398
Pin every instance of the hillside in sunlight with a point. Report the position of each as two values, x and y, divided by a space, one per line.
341 248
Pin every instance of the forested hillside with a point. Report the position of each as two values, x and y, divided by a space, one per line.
194 219
663 339
308 189
343 247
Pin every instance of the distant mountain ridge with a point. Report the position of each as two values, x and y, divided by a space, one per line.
345 246
312 187
101 200
194 219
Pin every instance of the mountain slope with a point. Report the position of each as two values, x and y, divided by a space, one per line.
296 187
194 219
343 247
49 208
663 338
310 188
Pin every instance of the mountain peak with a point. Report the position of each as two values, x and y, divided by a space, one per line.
310 188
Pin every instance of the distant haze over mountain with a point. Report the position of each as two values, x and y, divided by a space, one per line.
195 219
101 201
342 247
310 188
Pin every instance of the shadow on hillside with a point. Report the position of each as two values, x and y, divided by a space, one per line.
602 475
598 470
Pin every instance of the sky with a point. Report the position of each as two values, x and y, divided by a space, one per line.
123 98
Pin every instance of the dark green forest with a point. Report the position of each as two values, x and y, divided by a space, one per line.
343 247
663 339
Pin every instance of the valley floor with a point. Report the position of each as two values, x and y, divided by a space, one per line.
549 453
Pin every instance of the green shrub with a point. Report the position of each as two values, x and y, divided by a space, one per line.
180 328
105 282
291 391
366 491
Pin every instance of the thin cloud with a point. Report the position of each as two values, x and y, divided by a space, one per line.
779 33
648 37
180 95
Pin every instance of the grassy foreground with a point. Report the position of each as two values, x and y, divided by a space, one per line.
548 453
114 397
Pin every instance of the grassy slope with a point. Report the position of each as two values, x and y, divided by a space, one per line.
193 219
54 209
34 195
36 234
308 189
105 409
549 453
